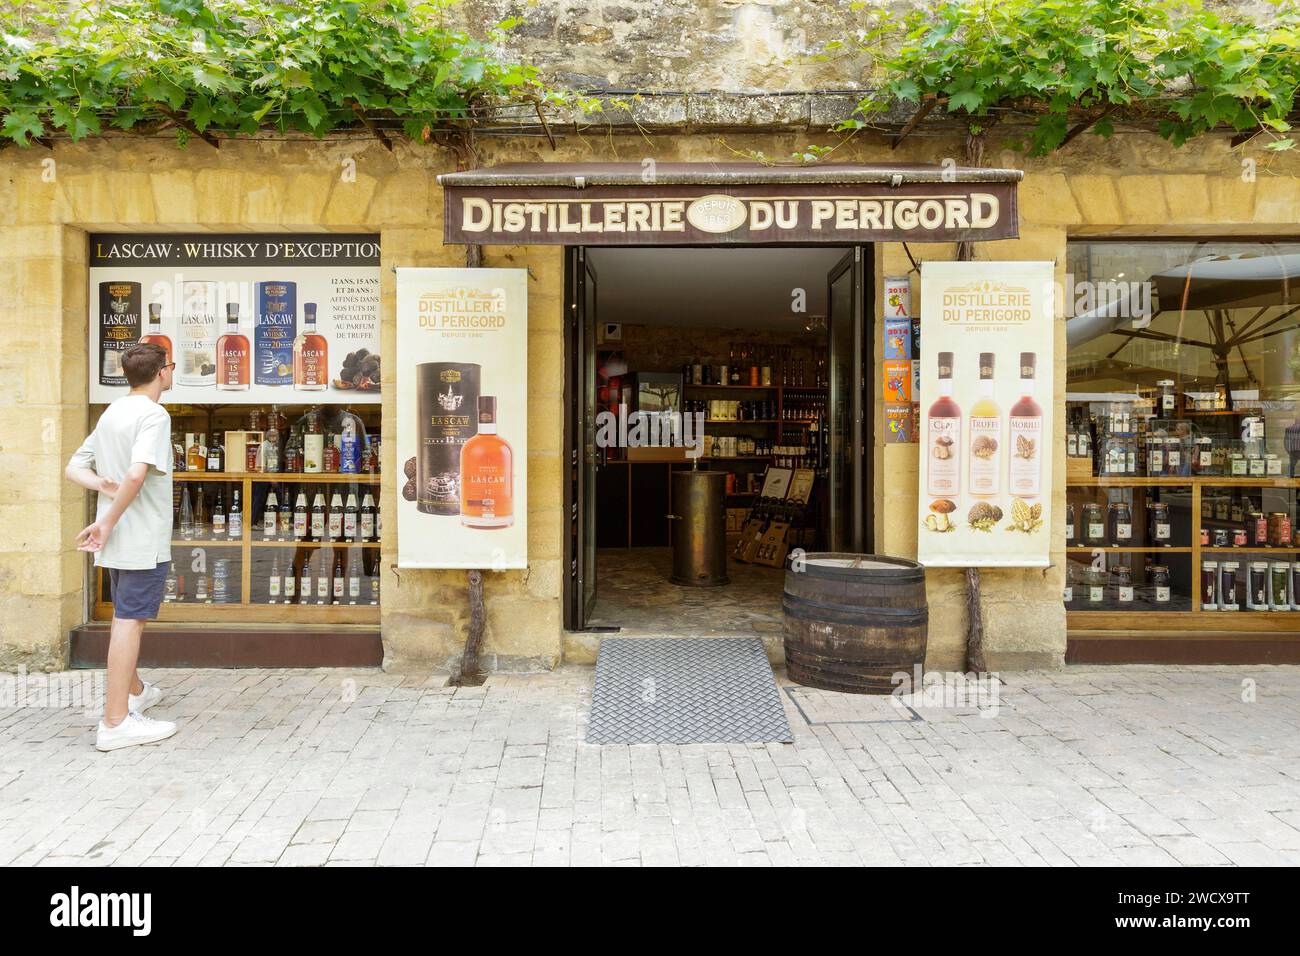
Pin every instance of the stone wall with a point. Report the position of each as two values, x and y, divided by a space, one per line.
1134 184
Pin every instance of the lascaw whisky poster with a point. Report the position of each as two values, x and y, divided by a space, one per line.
462 418
248 318
986 414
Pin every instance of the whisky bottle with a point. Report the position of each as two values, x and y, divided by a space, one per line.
273 582
154 335
310 354
232 354
984 452
318 517
219 517
119 328
1025 436
487 474
943 437
354 577
197 458
271 517
350 518
331 457
187 514
300 517
368 518
201 588
277 310
290 582
334 523
284 526
235 519
216 456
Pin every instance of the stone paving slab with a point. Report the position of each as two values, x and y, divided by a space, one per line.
1086 766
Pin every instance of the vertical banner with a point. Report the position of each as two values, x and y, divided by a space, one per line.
986 414
462 418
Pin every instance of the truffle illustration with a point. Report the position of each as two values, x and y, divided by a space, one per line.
984 446
983 515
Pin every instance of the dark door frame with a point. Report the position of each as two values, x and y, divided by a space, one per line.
868 325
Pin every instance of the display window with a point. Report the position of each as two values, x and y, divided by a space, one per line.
1183 434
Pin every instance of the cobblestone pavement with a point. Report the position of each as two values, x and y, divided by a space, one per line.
1133 765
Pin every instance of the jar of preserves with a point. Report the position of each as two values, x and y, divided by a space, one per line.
1120 519
1158 530
1257 528
1239 537
1279 529
1160 583
1205 536
1221 538
1094 526
1123 576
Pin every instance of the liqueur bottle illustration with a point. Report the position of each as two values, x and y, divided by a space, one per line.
274 334
447 400
119 327
943 437
1025 436
232 354
985 451
198 333
155 333
310 354
487 474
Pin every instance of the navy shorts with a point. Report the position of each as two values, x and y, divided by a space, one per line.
137 594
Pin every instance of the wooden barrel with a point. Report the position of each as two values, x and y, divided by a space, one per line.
853 620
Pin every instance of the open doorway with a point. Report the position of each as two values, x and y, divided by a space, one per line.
758 353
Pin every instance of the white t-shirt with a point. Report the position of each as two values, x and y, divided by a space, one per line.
134 429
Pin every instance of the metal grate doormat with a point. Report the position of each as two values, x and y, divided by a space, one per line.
685 691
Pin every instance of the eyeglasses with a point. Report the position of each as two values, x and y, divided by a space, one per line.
167 366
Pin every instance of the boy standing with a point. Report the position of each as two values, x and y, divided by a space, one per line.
128 460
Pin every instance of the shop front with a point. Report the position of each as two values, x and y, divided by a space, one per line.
784 277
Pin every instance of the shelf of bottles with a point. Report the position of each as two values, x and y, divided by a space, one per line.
292 535
1171 522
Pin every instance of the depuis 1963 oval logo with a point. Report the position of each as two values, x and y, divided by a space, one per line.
716 213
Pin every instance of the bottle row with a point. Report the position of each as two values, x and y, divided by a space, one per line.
1249 585
332 515
285 350
328 440
320 576
761 366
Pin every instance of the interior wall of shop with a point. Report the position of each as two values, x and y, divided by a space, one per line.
1134 184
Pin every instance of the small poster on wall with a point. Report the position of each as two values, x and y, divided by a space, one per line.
247 318
462 418
986 414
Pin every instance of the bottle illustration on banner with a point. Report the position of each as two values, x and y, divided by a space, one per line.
198 333
119 327
943 437
447 399
985 452
1025 436
310 354
232 354
487 474
155 334
274 334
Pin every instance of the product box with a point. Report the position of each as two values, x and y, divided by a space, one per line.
898 339
898 297
898 380
916 378
916 338
237 450
900 423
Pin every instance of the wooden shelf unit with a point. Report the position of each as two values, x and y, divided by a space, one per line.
1230 622
245 611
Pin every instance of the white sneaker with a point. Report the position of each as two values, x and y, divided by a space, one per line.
135 729
145 699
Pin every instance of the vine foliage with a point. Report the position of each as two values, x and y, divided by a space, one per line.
1173 65
223 67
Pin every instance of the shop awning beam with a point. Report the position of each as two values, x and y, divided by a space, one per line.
928 102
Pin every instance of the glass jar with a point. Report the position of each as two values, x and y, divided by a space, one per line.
1120 519
1123 576
1209 585
1155 455
1205 537
1228 586
1257 528
1278 533
1203 462
1096 589
1094 526
1158 529
1167 398
1278 598
1160 583
1239 537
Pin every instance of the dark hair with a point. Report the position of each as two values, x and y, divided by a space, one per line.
142 362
